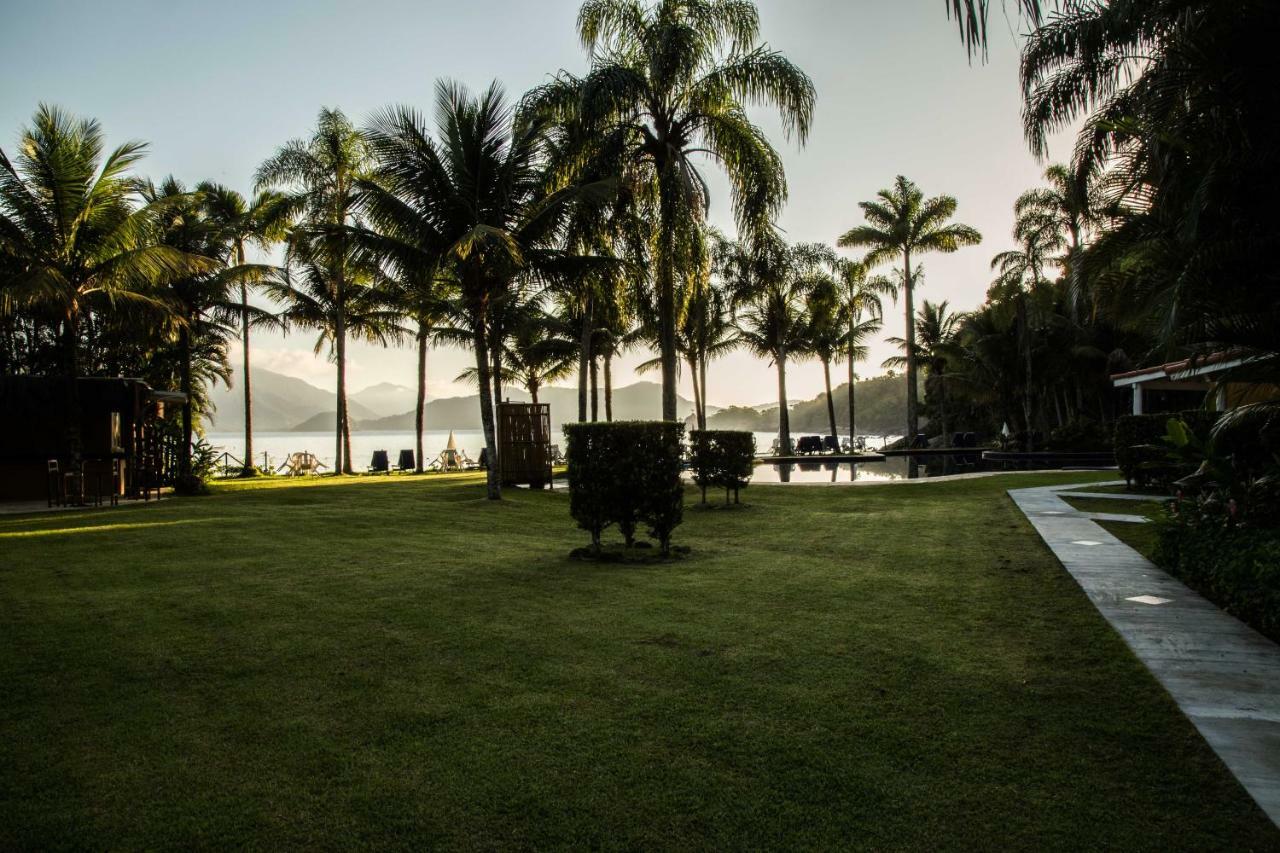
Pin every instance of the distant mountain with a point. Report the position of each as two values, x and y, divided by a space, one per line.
385 398
640 401
881 409
285 404
280 403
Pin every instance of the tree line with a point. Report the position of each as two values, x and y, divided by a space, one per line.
552 232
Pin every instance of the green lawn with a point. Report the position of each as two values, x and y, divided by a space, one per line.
399 663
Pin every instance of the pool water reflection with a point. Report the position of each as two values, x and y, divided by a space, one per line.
893 468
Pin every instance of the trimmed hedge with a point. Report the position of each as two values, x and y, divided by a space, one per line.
1235 566
722 458
626 473
1135 433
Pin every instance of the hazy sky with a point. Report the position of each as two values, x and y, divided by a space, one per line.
216 87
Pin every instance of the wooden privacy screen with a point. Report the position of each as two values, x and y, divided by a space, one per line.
524 443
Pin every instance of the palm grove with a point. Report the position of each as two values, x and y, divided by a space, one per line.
552 232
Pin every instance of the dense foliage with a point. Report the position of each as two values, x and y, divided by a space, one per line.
723 459
626 473
1229 557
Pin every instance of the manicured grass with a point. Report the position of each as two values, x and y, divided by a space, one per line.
399 663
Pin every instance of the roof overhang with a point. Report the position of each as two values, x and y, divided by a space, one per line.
1194 373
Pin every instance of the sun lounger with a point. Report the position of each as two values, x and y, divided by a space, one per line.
406 461
301 463
379 464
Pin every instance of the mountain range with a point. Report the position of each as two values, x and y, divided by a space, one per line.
286 404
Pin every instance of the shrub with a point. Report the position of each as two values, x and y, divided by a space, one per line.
1139 443
1231 562
626 473
722 458
1080 435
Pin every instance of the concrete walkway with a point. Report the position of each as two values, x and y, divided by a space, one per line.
1224 675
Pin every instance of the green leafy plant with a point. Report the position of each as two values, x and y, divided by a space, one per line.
626 473
722 458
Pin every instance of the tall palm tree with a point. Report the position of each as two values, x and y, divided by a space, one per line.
669 83
73 231
202 304
826 334
1020 277
1069 205
320 178
769 281
242 223
902 223
936 346
863 311
481 194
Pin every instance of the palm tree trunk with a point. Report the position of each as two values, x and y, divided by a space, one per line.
913 423
702 418
595 390
608 386
784 416
184 366
248 470
1026 382
853 423
340 356
420 411
584 361
492 485
666 295
533 392
831 403
697 393
496 346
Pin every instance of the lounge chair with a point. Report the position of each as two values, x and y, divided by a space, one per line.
830 444
809 444
406 461
301 463
452 459
379 464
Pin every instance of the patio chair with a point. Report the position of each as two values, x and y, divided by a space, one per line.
379 464
450 459
301 463
406 461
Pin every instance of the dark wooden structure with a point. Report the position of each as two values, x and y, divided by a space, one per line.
524 444
106 431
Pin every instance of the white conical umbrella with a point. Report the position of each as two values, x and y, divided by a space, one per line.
453 444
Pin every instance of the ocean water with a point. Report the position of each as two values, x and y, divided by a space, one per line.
270 449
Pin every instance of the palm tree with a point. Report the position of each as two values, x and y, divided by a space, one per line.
73 232
669 83
936 346
768 280
362 309
201 304
481 195
541 351
1068 205
1020 276
864 312
320 177
826 334
901 222
243 223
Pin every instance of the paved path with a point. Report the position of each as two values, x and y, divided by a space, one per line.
1224 675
